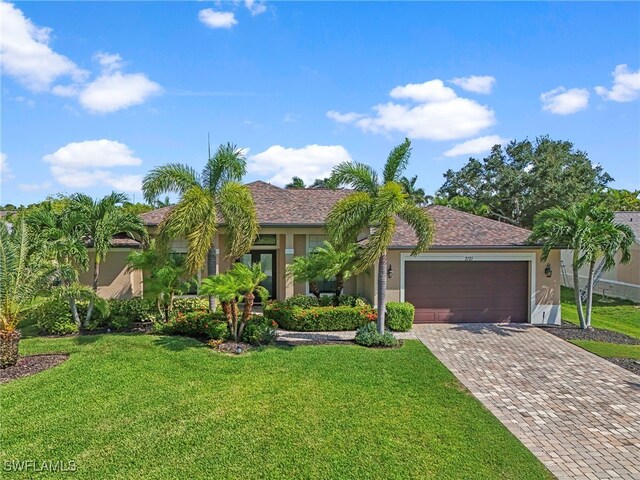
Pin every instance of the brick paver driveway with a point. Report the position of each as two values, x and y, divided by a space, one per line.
578 413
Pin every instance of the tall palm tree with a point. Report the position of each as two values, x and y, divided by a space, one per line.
202 197
377 205
416 194
103 219
588 229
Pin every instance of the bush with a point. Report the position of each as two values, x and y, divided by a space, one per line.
190 304
302 301
259 331
317 319
54 318
198 324
400 316
136 309
309 301
368 336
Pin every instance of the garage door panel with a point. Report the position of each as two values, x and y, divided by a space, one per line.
455 292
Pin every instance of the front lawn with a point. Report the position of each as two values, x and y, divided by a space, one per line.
609 350
609 313
144 406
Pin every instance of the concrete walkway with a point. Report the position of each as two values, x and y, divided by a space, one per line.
578 413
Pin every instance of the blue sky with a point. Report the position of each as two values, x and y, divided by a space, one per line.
96 94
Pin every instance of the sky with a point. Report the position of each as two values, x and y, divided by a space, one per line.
94 95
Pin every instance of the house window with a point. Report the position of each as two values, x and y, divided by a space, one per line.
325 286
265 240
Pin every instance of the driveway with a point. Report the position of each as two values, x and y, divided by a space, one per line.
578 413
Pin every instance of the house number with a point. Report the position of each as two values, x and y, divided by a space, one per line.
468 259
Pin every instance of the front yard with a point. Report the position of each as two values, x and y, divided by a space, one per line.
151 406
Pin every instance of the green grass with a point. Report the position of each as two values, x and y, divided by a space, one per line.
610 314
144 406
604 349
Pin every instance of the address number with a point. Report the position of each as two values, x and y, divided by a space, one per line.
468 259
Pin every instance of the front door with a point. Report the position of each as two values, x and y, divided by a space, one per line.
267 260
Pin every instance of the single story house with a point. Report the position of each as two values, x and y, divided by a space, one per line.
478 269
622 281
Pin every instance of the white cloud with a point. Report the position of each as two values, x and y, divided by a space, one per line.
109 61
86 164
439 114
214 19
344 117
256 8
475 146
5 171
561 101
25 53
34 187
308 163
475 83
626 85
113 91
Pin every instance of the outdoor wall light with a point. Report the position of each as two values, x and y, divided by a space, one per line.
390 272
547 271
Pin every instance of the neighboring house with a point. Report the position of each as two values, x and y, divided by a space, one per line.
622 281
478 270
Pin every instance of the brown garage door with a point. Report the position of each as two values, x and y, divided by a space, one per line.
456 292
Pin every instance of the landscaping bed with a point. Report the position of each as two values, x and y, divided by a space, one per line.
31 365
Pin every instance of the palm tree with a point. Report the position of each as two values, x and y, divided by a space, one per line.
377 205
588 230
202 197
416 194
240 282
296 182
103 219
23 275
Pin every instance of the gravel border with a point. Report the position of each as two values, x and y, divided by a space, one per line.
31 365
568 331
630 364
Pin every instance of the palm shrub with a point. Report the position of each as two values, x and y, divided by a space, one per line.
589 229
377 205
166 276
202 197
240 282
102 219
23 276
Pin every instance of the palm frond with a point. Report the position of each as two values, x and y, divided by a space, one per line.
360 176
397 162
170 178
377 244
235 202
228 164
421 223
349 217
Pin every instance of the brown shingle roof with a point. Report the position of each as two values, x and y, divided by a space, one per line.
279 206
300 207
119 240
460 229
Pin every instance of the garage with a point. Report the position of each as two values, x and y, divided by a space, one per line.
467 291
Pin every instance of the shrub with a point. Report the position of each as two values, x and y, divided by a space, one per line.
136 309
319 318
308 301
302 301
400 316
259 331
54 318
198 324
368 336
190 304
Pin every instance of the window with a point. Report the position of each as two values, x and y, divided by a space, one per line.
265 240
325 286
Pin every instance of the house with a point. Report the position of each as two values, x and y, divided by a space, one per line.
622 281
478 270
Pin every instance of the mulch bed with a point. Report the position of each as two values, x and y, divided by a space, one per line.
233 348
567 331
30 365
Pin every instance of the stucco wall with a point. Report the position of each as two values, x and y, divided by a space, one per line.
114 280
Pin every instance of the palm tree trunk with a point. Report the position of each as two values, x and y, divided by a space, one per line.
94 286
211 270
313 288
589 295
249 298
234 319
382 291
576 291
339 284
74 312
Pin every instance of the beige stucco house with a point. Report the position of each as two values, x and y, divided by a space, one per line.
622 281
478 270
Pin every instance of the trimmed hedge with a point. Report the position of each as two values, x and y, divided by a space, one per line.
308 301
198 324
399 316
319 319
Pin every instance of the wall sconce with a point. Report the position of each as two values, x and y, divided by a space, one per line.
547 270
390 272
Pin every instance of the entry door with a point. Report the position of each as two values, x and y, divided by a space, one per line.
267 260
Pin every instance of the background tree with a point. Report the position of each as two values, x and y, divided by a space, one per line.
619 200
103 219
202 197
522 179
464 204
296 182
166 276
329 183
416 194
588 229
240 282
377 205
